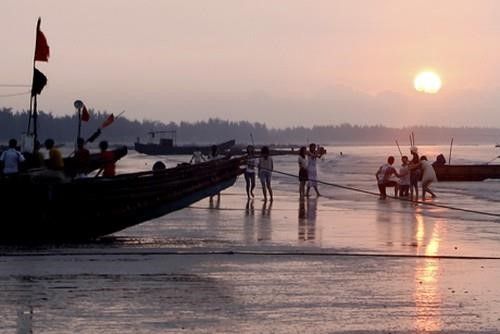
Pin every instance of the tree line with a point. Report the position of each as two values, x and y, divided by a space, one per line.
126 131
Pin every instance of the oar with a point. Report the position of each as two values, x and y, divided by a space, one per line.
401 153
449 157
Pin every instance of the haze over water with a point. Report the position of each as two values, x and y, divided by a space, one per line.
279 62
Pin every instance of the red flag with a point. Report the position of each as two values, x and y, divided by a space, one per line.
42 51
85 114
108 121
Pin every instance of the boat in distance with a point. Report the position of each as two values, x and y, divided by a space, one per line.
88 208
166 148
461 173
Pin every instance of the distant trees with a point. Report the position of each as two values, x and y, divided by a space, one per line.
123 130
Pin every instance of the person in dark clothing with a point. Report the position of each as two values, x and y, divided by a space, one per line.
82 158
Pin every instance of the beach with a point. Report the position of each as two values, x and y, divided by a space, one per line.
346 262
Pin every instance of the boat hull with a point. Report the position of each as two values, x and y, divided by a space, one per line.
463 173
90 208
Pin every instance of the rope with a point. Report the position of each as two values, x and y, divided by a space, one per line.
393 197
14 85
15 94
253 253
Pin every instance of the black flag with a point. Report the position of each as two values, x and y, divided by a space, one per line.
39 81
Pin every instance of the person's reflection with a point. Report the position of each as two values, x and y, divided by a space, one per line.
264 229
385 222
25 320
312 206
213 205
302 219
307 218
249 208
249 223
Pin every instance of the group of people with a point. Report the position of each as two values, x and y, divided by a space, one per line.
12 160
198 156
263 166
405 180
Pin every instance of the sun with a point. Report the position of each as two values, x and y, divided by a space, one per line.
427 82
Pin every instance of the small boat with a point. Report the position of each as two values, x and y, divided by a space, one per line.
167 146
82 209
467 172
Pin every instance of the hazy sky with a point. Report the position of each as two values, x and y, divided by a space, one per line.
279 62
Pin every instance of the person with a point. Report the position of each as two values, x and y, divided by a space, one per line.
312 172
11 159
214 155
250 171
55 162
197 157
385 178
265 172
428 176
37 160
302 160
108 160
415 172
404 181
82 158
440 160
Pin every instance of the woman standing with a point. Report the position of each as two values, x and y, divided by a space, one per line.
302 170
312 172
250 171
265 172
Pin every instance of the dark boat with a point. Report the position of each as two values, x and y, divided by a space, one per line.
83 209
467 172
167 146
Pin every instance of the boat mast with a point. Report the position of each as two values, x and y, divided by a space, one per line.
33 102
39 80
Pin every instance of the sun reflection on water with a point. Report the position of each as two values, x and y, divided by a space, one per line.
427 297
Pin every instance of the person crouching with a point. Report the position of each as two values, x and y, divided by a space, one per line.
387 177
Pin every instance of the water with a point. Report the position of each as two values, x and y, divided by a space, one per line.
177 273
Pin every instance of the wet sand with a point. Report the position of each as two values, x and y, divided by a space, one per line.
343 263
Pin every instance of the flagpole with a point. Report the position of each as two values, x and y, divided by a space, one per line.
39 81
35 128
33 102
79 122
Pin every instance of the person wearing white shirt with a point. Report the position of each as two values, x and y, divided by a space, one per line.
11 159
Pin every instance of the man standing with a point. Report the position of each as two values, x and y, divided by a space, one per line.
11 159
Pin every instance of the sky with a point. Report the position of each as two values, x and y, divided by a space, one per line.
279 62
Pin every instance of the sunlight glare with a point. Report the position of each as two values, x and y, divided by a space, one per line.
427 82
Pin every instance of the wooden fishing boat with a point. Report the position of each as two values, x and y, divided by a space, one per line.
467 172
89 208
167 146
